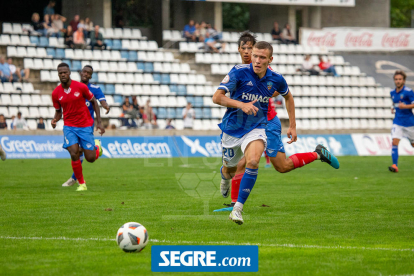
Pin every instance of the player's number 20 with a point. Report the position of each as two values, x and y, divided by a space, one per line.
228 152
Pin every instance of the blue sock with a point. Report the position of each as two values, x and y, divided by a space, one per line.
394 155
81 159
247 184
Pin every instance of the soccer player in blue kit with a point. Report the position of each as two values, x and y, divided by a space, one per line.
403 125
86 75
244 124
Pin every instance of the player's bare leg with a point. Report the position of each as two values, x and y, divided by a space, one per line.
92 155
226 175
281 163
394 155
235 181
253 153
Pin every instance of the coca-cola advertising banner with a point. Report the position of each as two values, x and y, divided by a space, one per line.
358 39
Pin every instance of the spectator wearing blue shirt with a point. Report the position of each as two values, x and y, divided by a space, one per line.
49 9
169 125
189 31
5 73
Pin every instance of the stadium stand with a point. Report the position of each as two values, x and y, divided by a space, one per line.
134 66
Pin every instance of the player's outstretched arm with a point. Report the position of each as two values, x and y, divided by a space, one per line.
105 105
290 107
405 106
98 116
56 118
220 98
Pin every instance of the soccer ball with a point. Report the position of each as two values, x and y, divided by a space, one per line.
132 237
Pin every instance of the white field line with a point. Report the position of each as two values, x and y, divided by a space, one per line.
222 243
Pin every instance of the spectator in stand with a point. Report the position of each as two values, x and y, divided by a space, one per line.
276 33
58 24
169 125
188 116
152 118
97 39
12 120
88 26
50 31
19 122
147 107
210 43
129 112
308 66
68 36
213 32
18 74
38 26
50 8
41 124
327 67
74 23
288 36
5 72
189 30
145 122
81 24
3 124
79 39
197 32
203 31
135 104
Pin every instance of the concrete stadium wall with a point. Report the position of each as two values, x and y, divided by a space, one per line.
366 13
263 16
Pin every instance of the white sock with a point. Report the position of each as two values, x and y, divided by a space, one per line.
238 205
319 157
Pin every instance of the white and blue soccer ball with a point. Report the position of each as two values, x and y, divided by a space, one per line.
132 237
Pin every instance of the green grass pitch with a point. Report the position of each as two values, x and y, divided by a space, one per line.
358 220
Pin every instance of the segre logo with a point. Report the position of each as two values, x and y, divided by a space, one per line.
231 258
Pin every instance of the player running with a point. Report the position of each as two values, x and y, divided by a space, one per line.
86 75
403 125
70 96
275 149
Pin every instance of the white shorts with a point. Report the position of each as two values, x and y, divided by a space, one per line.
233 148
399 132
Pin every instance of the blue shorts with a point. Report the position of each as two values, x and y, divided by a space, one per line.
274 139
79 135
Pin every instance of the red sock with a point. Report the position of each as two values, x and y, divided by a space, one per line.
97 152
267 158
301 159
235 186
77 169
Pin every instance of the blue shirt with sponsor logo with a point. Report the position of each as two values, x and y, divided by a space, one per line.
403 117
97 92
245 86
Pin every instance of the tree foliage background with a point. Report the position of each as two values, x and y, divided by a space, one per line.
235 16
401 13
135 12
